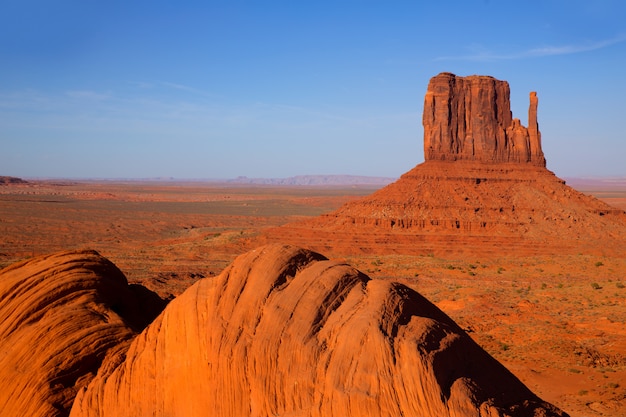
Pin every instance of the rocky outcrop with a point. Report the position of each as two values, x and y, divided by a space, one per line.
61 316
469 118
11 180
285 332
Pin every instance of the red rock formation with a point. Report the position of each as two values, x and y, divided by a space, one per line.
482 190
469 118
536 154
60 316
464 207
11 180
284 331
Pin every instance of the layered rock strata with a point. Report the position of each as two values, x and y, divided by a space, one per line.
469 118
285 332
483 189
61 316
466 207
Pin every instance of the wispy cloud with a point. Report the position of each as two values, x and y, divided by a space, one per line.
87 95
168 86
181 87
485 55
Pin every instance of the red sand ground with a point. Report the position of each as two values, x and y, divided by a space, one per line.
557 322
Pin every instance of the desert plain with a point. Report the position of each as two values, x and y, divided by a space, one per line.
530 270
556 321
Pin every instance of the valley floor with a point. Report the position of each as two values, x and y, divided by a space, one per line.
557 322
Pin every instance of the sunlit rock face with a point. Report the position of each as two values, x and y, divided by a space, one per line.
61 317
469 118
285 332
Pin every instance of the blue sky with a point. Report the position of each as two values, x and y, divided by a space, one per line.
219 89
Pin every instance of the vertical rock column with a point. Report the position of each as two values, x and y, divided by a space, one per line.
536 154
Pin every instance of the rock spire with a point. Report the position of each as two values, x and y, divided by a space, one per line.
469 118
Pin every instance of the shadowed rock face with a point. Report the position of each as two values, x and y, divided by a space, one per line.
469 118
285 332
60 317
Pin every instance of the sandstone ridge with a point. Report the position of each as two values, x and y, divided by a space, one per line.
61 316
284 331
469 118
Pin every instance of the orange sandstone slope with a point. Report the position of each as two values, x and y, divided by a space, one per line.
483 189
285 332
60 316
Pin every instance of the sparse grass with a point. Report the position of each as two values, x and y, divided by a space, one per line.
488 304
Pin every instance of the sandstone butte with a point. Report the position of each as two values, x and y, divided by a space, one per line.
483 190
282 331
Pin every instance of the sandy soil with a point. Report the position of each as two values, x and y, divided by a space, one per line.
557 322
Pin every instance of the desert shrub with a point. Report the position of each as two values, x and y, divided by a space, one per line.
619 285
595 286
599 263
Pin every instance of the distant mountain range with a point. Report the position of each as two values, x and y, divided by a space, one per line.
596 182
315 180
320 180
